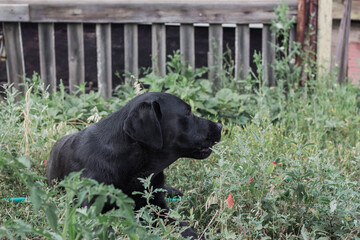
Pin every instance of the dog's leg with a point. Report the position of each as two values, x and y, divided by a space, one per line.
159 198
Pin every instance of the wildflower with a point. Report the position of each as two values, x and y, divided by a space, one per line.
250 180
45 164
230 201
279 26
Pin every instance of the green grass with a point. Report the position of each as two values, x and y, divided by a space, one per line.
292 170
289 158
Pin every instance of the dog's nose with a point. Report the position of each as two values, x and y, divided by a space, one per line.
219 126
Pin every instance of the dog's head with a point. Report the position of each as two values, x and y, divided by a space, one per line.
164 123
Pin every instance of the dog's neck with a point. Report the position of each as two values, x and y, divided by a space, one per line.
156 162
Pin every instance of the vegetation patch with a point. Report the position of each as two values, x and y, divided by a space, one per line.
287 166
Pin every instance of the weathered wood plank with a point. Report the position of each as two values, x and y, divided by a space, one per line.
104 60
184 11
324 37
14 12
187 44
15 65
131 51
341 58
47 55
242 51
215 56
313 11
292 38
300 26
337 10
159 49
268 54
210 3
76 55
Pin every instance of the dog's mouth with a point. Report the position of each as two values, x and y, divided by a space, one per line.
205 151
201 153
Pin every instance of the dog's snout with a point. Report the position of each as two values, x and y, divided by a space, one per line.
219 126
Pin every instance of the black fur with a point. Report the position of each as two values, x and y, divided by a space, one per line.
144 137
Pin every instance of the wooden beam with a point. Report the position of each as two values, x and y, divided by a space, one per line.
131 52
14 12
341 58
47 55
242 51
292 38
187 44
158 32
215 56
76 55
15 65
155 11
104 60
324 37
337 10
313 9
301 26
268 55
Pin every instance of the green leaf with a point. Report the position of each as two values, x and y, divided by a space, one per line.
212 111
35 197
72 111
300 191
174 214
304 233
224 94
24 161
134 236
191 102
99 203
333 205
255 135
52 217
270 168
207 85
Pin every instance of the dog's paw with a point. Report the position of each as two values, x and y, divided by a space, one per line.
173 192
189 233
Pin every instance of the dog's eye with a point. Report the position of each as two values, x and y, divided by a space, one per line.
188 112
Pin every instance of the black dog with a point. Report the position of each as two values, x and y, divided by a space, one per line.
144 137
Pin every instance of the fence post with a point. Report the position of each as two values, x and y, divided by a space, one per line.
76 55
47 55
292 38
341 58
268 54
158 32
324 36
104 60
131 51
187 44
14 55
242 51
215 57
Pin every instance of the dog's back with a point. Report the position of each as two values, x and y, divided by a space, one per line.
57 166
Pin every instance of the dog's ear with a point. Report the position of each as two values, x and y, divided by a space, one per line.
143 125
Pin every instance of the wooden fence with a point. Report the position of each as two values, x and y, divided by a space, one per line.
131 13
